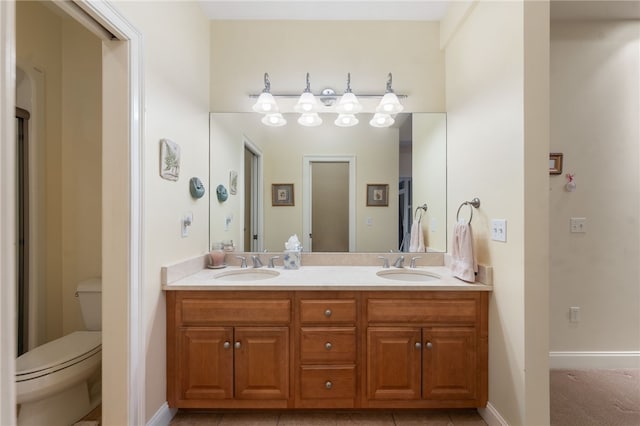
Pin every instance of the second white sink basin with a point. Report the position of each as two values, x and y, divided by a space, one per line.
247 275
408 275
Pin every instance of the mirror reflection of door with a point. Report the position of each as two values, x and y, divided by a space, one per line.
330 206
252 184
22 270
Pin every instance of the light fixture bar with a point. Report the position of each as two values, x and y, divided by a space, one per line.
336 96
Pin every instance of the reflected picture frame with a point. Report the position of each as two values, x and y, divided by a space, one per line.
282 194
377 195
555 163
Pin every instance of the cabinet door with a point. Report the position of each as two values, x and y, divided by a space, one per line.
262 362
393 363
206 363
449 371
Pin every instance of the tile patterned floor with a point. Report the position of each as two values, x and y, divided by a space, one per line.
461 417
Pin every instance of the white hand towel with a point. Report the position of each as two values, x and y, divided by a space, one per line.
463 260
416 244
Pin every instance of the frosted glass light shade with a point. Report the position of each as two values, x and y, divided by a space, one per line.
346 120
381 120
274 120
349 104
389 104
265 104
310 119
306 103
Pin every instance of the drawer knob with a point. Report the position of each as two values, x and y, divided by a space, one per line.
328 384
418 345
328 346
328 313
237 345
226 345
429 345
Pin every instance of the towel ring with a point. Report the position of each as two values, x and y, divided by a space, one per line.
473 203
424 210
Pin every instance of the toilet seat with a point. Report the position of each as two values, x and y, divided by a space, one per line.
58 355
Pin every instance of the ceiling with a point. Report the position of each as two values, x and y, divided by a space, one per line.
357 10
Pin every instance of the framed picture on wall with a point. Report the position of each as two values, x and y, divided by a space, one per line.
282 194
377 195
555 163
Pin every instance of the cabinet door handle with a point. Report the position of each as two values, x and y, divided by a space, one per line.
418 345
328 384
328 313
237 345
226 345
328 346
429 345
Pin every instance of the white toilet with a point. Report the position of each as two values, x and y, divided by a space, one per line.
58 383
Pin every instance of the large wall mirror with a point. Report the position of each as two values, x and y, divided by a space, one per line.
355 189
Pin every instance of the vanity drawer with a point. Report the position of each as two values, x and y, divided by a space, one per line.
235 311
422 311
328 345
328 311
337 382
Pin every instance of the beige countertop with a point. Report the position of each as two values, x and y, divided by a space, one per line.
345 278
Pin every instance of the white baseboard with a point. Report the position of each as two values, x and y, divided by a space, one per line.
492 416
594 359
163 416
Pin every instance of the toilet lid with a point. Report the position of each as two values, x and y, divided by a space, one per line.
59 351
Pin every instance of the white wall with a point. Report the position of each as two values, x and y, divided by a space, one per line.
497 145
242 51
176 75
595 110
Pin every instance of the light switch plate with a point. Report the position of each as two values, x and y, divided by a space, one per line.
499 230
578 224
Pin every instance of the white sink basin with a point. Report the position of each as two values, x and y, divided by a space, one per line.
408 275
247 275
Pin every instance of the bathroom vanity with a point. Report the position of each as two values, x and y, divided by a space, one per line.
326 337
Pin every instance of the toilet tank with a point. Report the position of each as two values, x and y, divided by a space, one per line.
89 294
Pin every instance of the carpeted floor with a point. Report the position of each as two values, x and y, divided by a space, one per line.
595 397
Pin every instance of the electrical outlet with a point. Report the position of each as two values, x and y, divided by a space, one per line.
499 230
578 224
185 223
574 314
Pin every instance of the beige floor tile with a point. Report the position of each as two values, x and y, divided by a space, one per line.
250 419
293 418
189 418
369 418
422 418
466 417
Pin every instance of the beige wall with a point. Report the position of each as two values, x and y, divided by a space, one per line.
594 122
489 119
242 51
176 67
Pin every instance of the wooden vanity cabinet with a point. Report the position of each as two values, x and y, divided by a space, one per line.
426 350
226 350
326 349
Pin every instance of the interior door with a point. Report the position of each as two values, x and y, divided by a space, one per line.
330 206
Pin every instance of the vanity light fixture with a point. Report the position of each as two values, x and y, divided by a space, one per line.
381 120
274 120
307 102
389 103
348 103
346 120
266 104
310 119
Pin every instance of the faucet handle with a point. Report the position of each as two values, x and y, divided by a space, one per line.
271 259
385 261
413 261
243 261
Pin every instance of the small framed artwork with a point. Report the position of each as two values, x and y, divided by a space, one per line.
377 195
169 160
233 182
555 163
282 194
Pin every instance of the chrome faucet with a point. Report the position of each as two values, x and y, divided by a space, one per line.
243 261
399 263
385 261
413 261
271 259
257 263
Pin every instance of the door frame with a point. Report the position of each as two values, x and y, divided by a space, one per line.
257 214
122 237
306 195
